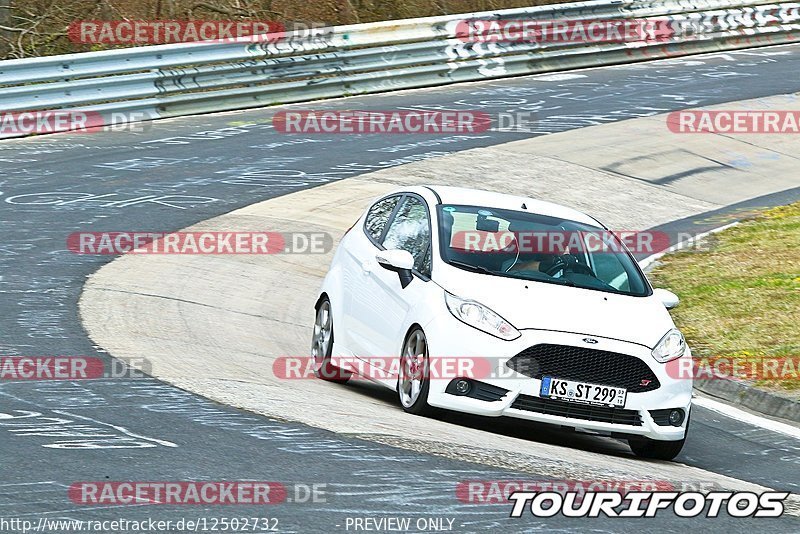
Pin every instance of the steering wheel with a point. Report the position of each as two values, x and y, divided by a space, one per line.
568 262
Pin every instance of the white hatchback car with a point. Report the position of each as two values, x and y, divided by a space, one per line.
574 337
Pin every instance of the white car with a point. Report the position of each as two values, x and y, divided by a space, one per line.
575 337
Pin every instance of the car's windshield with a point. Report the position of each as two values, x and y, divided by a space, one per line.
528 246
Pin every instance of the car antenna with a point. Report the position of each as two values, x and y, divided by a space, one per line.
524 206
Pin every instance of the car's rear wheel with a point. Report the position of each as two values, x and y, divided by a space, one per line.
414 381
322 346
657 450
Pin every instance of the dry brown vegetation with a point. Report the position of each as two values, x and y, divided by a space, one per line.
39 27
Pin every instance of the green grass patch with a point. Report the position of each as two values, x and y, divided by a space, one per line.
740 298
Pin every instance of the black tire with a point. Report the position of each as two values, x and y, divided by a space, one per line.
657 450
417 405
322 345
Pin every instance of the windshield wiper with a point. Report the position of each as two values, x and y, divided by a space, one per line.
469 267
484 270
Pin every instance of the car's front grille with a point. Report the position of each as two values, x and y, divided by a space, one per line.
585 365
576 410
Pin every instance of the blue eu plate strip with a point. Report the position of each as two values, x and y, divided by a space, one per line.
544 392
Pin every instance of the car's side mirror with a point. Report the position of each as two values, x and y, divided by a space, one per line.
399 261
667 298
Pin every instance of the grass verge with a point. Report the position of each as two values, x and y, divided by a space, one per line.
740 296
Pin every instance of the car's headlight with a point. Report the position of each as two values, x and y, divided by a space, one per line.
479 316
671 346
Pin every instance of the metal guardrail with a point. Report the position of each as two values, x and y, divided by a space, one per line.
189 78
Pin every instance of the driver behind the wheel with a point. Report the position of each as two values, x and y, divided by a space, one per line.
531 260
538 261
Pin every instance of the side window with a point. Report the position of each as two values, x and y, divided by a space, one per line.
378 216
410 230
610 270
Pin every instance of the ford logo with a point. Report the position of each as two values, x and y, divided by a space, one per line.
590 340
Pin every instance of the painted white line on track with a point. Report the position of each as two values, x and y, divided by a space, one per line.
740 415
47 482
122 429
649 260
559 77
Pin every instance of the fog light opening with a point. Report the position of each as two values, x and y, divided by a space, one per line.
676 417
462 386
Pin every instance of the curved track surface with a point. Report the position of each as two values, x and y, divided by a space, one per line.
187 170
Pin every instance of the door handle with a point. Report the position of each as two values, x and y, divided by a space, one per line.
366 268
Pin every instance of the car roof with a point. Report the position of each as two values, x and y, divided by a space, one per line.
490 199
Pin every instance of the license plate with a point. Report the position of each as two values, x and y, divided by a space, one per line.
584 392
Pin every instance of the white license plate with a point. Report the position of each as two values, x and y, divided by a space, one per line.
584 392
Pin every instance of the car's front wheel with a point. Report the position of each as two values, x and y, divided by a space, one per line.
322 345
657 450
414 381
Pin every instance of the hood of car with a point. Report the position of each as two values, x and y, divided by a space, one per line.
542 306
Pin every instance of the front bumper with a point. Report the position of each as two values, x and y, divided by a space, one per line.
522 399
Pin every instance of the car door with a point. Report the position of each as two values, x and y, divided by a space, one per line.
380 313
359 253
